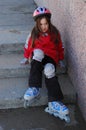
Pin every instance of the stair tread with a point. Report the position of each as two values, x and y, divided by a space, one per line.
10 66
12 36
15 21
13 89
10 61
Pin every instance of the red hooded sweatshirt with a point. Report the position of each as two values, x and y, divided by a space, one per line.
47 45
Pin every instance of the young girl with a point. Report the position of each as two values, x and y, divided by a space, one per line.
44 47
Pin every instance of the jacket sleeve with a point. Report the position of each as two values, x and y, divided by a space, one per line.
27 47
60 48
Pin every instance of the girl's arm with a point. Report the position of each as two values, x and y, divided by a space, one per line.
60 48
27 47
61 53
27 51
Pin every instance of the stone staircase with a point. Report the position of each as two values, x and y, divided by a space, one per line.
15 25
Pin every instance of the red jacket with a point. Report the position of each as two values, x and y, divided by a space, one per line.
55 51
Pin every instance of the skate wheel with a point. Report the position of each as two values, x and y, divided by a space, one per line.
46 109
67 119
25 104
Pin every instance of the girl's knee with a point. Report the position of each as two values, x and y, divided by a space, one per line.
38 55
49 70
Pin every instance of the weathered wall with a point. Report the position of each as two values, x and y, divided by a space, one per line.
69 16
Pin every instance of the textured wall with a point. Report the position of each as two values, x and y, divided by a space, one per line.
69 16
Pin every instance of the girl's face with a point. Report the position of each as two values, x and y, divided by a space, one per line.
44 26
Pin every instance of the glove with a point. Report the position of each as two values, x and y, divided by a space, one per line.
24 61
61 64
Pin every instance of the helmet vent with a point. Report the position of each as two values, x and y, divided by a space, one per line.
41 9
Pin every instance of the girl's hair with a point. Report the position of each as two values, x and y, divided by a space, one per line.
36 30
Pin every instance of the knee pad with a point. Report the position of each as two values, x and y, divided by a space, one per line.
38 55
49 70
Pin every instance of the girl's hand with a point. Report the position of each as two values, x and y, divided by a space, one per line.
61 64
24 61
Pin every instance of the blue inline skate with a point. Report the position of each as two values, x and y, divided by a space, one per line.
58 109
32 94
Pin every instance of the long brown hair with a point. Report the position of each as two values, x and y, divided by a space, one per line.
36 30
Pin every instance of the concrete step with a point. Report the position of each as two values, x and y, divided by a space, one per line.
12 41
13 89
16 22
10 66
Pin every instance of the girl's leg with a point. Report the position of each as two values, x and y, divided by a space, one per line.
55 94
54 90
35 77
52 84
